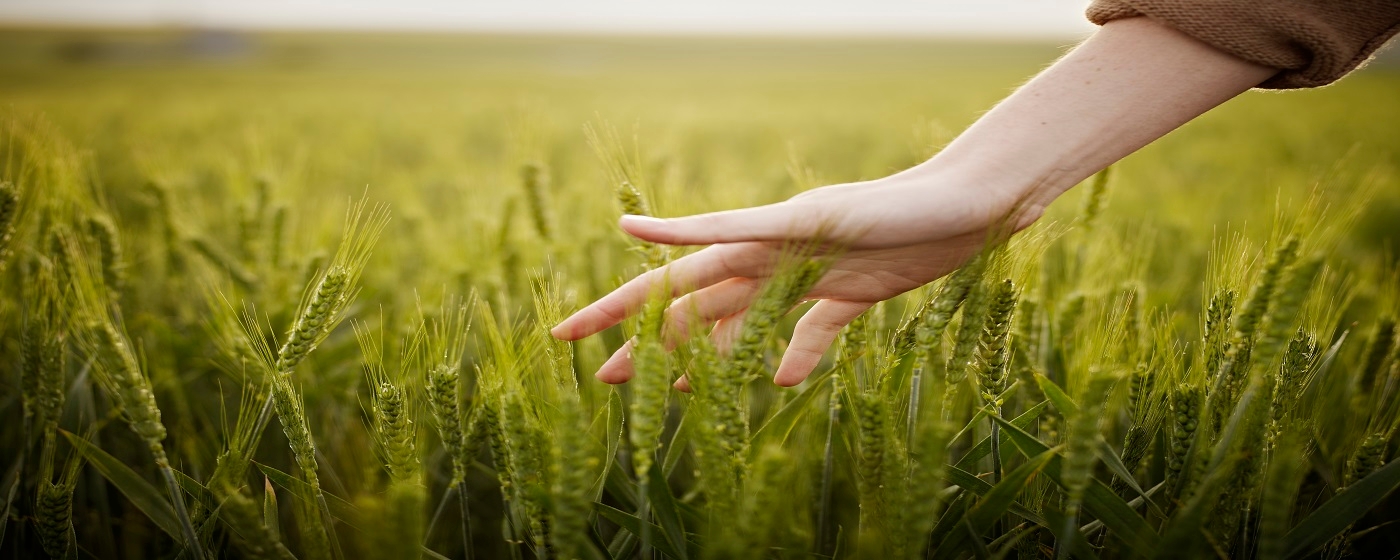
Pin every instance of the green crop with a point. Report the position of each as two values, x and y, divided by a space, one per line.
1197 356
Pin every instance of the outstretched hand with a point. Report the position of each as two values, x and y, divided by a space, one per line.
895 234
1132 82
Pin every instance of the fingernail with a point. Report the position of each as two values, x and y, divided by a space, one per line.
639 220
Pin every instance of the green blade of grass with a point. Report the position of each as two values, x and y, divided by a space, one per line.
270 517
599 550
634 525
1006 545
952 517
142 494
984 447
993 505
780 425
1063 403
663 506
676 449
1324 366
615 412
194 488
979 548
12 485
623 545
177 501
341 510
969 482
1115 465
206 531
1342 510
1099 499
437 511
1094 526
1183 532
971 425
622 488
1080 548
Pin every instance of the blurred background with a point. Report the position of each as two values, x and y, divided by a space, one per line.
437 103
224 139
561 36
441 92
1045 18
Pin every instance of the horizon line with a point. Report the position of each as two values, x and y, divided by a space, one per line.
61 25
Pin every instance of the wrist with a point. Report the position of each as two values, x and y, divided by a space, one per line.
1003 189
1132 82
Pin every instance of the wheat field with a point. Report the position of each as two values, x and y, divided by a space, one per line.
288 296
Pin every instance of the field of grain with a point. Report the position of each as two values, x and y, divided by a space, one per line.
288 296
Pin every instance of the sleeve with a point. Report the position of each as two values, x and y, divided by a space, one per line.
1311 42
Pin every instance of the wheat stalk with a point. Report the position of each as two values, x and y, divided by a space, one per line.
9 217
104 231
650 388
535 180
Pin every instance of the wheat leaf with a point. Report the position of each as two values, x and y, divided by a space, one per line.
142 494
12 483
615 411
1342 510
993 505
633 525
780 425
1099 499
663 506
984 447
341 510
1063 403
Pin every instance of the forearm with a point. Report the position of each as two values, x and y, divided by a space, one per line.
1132 82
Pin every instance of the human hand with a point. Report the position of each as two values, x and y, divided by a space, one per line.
1132 82
895 234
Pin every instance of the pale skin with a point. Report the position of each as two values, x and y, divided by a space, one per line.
1129 84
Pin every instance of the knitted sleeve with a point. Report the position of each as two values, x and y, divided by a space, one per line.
1311 42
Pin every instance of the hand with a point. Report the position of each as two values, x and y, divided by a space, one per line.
895 234
1132 82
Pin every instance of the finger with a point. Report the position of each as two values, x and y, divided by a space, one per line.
726 331
773 222
812 336
687 273
703 307
618 368
700 308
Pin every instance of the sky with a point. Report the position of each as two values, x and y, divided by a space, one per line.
1023 18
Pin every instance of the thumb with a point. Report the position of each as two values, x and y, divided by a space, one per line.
773 222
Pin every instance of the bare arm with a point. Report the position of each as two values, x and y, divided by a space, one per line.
1129 84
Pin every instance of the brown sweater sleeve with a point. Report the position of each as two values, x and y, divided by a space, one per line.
1311 42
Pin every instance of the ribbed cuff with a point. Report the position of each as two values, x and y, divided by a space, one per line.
1311 42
